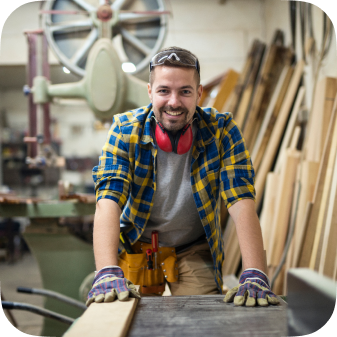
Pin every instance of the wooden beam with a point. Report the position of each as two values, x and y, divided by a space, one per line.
308 178
290 129
104 319
243 78
271 68
319 118
278 130
328 255
272 185
226 87
315 254
241 113
309 238
271 116
283 205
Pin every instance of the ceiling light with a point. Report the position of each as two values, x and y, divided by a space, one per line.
66 70
128 67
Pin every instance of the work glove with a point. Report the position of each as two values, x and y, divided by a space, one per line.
253 285
110 283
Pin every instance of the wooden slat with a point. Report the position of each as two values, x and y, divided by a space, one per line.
290 129
308 177
328 255
243 78
209 86
320 117
335 269
271 116
294 210
226 87
104 319
272 185
273 63
283 205
309 238
315 254
240 114
278 130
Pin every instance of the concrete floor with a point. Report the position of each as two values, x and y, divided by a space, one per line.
23 272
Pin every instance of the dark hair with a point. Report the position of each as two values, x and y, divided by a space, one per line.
172 64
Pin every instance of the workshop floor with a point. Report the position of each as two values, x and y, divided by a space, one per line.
23 272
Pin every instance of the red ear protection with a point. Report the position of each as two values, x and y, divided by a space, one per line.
179 143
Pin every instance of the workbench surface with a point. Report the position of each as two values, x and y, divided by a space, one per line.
206 315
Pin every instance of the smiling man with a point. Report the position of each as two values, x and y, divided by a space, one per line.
161 174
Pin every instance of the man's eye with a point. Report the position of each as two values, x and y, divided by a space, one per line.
163 91
186 92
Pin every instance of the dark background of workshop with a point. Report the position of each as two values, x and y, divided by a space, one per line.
220 32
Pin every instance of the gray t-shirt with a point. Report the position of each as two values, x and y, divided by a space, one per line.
174 214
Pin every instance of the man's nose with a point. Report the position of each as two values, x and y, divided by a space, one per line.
174 100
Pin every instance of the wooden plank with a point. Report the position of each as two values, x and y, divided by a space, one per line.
328 255
268 211
240 115
243 78
309 238
209 86
308 178
294 210
315 255
277 133
319 118
335 269
272 66
283 205
226 87
104 319
290 129
205 315
271 116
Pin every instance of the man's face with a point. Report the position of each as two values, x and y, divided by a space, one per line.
174 96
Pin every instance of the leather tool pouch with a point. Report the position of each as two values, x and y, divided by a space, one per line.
135 268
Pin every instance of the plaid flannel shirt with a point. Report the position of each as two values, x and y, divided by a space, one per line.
221 165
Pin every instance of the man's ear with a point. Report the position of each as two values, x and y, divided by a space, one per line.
149 91
200 90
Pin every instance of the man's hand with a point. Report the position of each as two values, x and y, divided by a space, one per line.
110 283
253 285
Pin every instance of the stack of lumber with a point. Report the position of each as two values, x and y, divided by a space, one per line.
293 149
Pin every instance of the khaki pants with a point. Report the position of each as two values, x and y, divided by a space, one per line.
196 273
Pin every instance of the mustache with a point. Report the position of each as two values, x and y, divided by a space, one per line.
170 108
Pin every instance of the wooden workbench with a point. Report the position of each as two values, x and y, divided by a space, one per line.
186 316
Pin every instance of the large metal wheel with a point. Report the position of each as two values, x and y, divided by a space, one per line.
136 36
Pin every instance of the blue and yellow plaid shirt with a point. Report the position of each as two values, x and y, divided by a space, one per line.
221 165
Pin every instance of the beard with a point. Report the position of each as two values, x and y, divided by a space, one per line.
172 125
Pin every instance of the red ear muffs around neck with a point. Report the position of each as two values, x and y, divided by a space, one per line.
179 143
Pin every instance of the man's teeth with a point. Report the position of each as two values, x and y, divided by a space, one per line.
174 113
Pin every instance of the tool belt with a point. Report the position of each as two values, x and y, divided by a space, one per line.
135 268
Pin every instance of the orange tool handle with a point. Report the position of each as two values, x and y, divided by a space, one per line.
149 259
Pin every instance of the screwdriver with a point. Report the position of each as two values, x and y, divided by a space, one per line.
126 243
154 241
149 259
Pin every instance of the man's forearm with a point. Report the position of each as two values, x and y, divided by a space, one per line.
106 233
249 234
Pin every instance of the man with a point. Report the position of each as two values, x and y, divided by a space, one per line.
164 168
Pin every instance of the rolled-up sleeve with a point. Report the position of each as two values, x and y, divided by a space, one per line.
236 170
112 176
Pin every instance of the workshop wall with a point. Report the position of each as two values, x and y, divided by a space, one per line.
13 41
220 34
